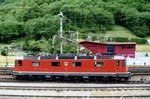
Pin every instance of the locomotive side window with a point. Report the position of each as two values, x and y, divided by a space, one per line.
117 63
98 64
35 63
55 64
19 62
76 64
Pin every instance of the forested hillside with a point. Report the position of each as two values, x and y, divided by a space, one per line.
35 19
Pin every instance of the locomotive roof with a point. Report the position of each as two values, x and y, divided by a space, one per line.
112 43
67 57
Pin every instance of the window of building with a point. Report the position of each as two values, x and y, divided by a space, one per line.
123 47
130 47
76 64
19 62
35 63
98 64
55 63
117 63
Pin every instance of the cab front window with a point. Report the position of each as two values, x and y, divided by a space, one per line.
19 62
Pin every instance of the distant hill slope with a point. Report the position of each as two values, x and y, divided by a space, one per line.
35 19
120 31
117 31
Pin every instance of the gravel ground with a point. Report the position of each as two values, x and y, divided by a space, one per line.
75 93
110 90
69 85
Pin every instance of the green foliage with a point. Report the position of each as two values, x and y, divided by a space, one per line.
4 52
1 1
121 39
45 46
35 19
37 46
44 26
133 15
89 19
138 41
84 37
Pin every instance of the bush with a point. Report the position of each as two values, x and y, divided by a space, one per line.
121 39
94 38
138 41
89 18
84 36
4 52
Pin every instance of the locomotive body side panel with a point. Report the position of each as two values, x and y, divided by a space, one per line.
71 67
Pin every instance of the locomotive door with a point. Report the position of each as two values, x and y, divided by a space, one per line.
117 67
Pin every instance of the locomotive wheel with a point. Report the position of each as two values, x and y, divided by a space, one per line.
32 77
94 79
18 77
25 77
53 78
118 79
124 79
105 78
40 77
56 78
86 79
77 79
67 78
111 79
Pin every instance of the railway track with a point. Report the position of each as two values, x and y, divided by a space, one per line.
75 91
138 76
6 70
59 92
134 80
73 97
139 69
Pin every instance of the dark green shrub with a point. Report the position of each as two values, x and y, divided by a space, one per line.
120 39
84 36
94 38
137 40
4 52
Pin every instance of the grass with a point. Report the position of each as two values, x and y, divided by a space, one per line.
143 48
3 46
117 31
9 59
120 31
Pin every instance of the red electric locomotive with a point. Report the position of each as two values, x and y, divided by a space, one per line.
71 67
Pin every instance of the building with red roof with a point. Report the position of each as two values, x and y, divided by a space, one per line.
126 49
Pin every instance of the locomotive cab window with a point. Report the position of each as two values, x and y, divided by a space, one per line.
98 64
76 64
35 63
117 63
55 63
19 62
